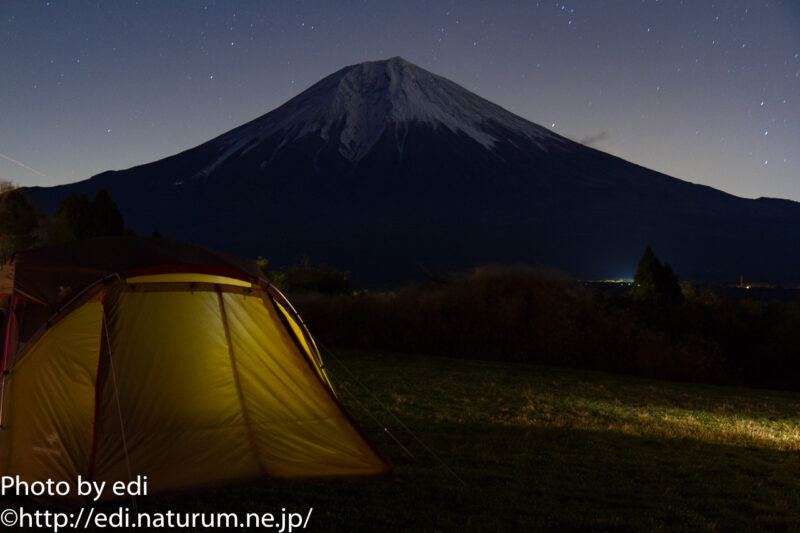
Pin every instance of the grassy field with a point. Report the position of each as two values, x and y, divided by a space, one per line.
541 448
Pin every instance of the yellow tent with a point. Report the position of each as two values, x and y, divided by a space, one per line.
131 357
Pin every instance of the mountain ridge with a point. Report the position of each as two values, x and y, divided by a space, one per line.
383 165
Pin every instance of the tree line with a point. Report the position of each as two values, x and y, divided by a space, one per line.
78 217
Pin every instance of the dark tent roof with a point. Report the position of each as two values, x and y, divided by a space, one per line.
50 274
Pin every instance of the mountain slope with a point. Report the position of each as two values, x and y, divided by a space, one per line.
382 167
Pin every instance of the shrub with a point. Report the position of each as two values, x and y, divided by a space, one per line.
307 277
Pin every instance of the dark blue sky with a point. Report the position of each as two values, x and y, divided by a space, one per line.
704 91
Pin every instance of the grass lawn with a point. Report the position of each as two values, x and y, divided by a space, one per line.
540 448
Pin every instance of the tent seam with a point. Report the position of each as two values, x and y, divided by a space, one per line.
97 398
237 382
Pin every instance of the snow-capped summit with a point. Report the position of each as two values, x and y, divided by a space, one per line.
354 107
372 96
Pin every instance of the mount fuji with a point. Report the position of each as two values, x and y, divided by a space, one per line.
383 167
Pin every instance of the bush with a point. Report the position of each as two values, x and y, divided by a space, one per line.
527 315
516 314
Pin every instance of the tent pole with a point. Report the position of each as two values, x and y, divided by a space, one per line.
119 405
49 322
6 348
306 332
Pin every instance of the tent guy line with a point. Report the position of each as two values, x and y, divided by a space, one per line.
391 413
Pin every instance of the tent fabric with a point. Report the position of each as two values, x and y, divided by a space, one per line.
49 403
190 380
50 275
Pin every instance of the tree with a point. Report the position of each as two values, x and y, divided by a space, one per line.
308 277
70 218
655 282
18 223
80 218
105 216
5 186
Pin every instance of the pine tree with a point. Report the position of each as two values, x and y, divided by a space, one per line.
655 282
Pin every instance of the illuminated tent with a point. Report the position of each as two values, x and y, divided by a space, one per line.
126 356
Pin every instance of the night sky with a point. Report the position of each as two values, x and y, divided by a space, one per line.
704 91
